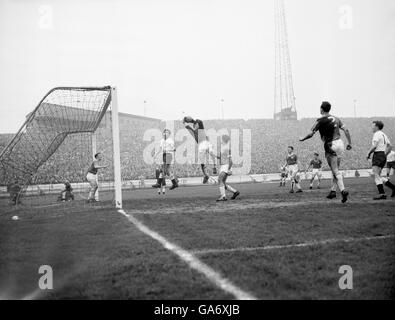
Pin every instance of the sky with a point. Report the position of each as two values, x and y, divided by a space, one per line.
186 56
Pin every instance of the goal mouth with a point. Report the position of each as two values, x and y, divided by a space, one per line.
62 125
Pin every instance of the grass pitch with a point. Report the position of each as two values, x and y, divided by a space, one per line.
269 243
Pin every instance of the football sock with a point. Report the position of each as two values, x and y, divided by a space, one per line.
222 190
298 186
340 182
334 186
390 185
380 187
231 189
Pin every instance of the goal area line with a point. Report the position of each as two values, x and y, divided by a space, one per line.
317 243
245 205
192 261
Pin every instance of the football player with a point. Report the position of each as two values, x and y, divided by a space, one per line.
166 149
292 165
329 127
225 159
14 190
205 148
391 164
92 177
67 193
316 164
284 176
381 147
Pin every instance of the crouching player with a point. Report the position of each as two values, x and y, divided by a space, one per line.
14 190
67 193
292 165
225 171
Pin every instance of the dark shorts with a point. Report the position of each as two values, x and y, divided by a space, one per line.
379 159
391 165
167 158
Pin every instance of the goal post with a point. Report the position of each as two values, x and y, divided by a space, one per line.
116 149
55 145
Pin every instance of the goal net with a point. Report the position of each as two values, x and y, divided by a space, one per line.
48 159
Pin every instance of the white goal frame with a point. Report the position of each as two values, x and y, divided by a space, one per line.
116 148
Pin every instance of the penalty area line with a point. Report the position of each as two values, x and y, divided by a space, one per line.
290 246
192 261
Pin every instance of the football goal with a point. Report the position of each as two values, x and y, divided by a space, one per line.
49 157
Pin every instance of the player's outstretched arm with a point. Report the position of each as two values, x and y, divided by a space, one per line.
190 129
348 136
307 137
102 167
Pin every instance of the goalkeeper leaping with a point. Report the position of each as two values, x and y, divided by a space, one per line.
205 148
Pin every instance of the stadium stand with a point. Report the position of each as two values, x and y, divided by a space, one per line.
269 143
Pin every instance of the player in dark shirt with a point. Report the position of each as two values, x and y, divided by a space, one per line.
14 190
205 148
329 128
316 164
292 164
67 193
92 177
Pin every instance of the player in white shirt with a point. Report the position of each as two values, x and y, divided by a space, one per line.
167 149
381 147
284 176
391 164
225 159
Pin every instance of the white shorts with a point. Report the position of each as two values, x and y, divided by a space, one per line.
338 147
204 149
92 179
317 172
292 170
224 169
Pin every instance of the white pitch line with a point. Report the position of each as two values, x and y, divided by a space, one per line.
298 245
192 261
247 205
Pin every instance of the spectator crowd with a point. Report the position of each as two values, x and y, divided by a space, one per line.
269 142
